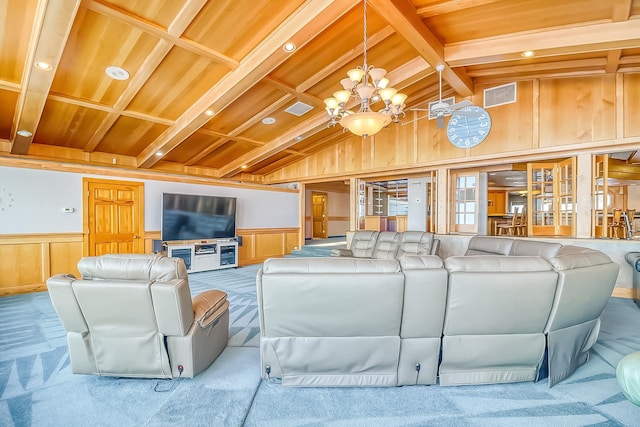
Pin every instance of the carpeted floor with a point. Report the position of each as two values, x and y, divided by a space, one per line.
38 389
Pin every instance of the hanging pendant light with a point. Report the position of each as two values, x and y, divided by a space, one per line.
367 84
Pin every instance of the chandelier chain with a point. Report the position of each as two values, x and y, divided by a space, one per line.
364 44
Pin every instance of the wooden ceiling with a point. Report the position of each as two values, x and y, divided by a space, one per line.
187 57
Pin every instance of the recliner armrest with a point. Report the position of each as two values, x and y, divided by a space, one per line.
208 306
633 258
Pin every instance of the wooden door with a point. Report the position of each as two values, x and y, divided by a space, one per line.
319 217
551 188
113 216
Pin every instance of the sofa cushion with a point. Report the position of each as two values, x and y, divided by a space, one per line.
533 248
481 245
496 263
420 262
415 243
386 245
570 257
330 265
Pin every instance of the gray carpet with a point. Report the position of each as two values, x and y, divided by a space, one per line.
38 389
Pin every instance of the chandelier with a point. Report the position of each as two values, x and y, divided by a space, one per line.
368 85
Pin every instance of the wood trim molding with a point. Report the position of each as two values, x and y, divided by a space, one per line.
12 239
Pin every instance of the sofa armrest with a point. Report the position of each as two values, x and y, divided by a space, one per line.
633 258
208 306
341 252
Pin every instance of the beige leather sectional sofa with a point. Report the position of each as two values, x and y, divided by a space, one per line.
506 311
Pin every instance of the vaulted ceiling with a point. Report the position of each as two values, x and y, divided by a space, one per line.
189 58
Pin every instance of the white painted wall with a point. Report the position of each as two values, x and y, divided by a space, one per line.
32 201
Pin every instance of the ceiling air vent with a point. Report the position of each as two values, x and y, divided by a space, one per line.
299 108
500 95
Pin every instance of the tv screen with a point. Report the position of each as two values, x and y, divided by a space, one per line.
194 217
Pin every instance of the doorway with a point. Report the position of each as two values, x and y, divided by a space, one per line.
319 215
113 216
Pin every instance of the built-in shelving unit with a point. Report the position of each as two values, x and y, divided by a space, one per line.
205 255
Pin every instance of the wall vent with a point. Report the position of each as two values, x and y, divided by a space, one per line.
500 95
299 108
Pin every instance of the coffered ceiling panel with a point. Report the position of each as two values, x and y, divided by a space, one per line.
68 125
15 16
234 27
8 102
191 76
160 12
81 72
129 136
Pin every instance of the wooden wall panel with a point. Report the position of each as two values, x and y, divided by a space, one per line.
583 110
631 105
21 263
29 260
433 145
512 124
269 245
64 257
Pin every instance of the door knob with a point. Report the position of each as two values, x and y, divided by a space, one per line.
136 237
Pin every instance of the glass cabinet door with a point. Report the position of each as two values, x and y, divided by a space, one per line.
465 203
551 189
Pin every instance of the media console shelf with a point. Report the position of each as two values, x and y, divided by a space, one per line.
205 255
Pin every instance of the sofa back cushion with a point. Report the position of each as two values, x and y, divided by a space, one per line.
386 245
534 248
363 243
343 297
415 243
482 245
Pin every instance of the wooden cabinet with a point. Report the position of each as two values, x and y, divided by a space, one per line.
496 202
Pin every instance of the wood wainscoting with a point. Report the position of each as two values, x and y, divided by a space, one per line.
28 260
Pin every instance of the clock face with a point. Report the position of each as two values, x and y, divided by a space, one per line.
468 126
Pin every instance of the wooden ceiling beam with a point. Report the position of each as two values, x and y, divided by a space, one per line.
171 35
545 42
538 67
313 100
402 16
9 86
300 27
229 137
52 26
621 12
450 6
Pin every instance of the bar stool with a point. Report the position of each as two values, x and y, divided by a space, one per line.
616 226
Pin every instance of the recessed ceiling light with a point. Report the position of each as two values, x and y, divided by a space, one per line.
243 166
24 133
117 73
159 153
208 113
528 53
299 138
289 47
268 120
43 65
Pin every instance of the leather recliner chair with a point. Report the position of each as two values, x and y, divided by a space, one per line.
133 316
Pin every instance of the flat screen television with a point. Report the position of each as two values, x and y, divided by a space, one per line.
196 217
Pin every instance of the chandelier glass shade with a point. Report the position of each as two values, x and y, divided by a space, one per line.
368 85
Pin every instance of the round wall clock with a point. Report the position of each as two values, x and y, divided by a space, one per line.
6 199
466 130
